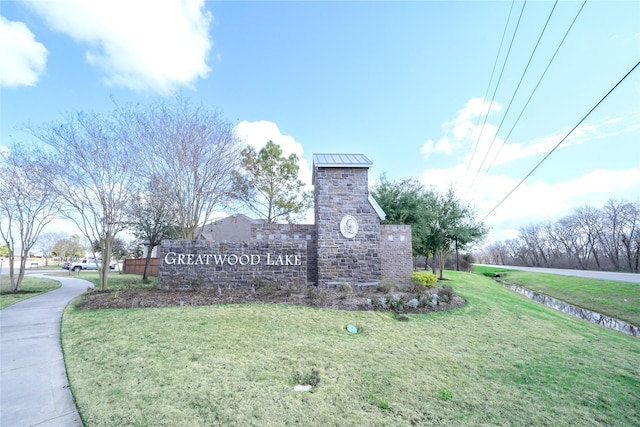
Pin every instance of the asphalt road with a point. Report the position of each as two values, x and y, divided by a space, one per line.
603 275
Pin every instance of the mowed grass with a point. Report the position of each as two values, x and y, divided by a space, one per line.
116 279
31 286
620 300
502 360
119 280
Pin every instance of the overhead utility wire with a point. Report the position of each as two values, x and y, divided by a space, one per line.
561 141
504 116
486 92
532 93
493 97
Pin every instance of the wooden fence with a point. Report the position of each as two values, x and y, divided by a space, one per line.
136 266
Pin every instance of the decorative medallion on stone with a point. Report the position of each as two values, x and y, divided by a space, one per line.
349 226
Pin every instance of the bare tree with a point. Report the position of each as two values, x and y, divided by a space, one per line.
630 235
607 238
616 215
568 234
589 221
46 242
27 205
193 154
91 164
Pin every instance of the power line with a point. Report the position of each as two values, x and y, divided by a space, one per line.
493 97
504 116
486 92
561 141
531 95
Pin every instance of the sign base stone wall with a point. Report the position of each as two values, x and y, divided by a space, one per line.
199 264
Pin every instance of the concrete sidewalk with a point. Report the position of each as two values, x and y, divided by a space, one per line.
33 381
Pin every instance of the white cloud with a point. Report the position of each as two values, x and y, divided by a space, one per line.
613 121
536 201
23 59
142 44
257 134
474 142
427 148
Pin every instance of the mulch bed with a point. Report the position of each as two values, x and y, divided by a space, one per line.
367 298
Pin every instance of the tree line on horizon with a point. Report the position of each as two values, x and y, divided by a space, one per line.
589 238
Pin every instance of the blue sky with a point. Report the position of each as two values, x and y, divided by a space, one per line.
405 83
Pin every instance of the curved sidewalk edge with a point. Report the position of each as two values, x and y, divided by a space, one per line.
34 390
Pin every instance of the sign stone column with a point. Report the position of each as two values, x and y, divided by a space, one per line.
348 226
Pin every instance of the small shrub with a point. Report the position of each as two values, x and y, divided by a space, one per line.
311 378
413 303
344 287
401 317
384 287
378 303
446 294
312 293
396 304
426 278
434 300
415 287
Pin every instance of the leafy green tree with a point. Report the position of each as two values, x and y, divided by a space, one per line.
440 223
452 227
119 249
153 220
4 250
268 185
68 247
404 202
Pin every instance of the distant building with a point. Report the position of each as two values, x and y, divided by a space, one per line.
232 228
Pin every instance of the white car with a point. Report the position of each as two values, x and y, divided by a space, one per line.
88 265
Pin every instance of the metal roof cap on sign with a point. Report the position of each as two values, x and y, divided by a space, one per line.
341 161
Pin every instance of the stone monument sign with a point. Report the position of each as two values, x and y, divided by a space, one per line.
347 243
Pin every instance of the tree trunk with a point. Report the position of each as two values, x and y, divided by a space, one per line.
147 263
22 269
457 258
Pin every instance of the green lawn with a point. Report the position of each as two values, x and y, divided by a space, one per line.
117 280
31 286
620 300
502 360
